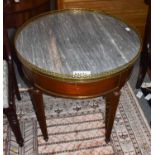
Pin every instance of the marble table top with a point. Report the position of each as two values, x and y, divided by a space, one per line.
70 42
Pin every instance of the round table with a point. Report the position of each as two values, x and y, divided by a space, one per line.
77 53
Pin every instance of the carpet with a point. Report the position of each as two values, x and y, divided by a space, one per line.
76 127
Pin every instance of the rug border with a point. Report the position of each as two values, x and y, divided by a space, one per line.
139 107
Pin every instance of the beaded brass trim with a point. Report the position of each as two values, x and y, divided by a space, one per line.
67 77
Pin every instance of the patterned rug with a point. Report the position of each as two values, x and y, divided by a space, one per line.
76 127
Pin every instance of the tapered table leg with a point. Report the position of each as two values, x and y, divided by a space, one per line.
112 101
37 100
14 124
16 87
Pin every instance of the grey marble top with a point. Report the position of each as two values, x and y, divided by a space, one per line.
77 41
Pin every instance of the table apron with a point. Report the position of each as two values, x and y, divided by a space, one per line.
76 89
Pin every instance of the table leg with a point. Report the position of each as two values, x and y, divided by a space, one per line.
112 101
37 100
142 68
14 124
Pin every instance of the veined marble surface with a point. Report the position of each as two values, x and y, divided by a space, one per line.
77 40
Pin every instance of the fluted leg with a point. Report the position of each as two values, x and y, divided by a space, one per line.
112 101
37 100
